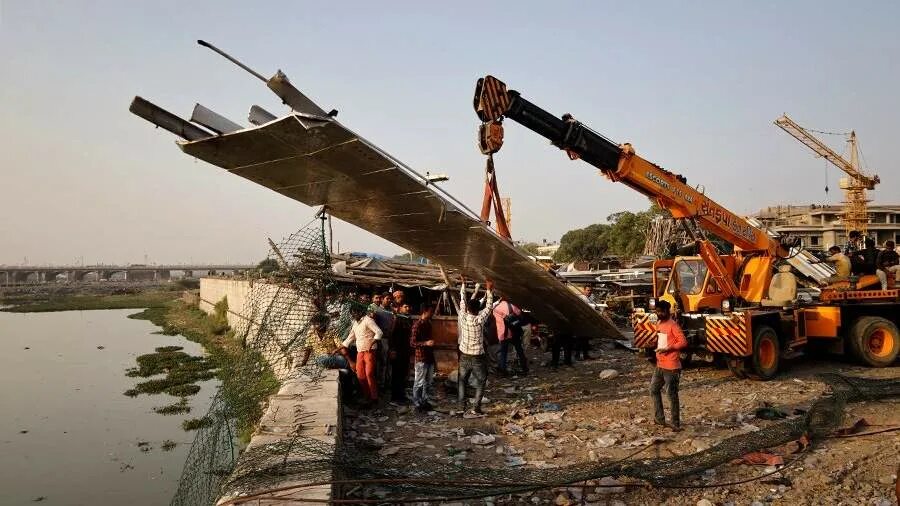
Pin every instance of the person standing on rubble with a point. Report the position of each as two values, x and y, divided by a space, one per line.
386 320
366 334
668 366
399 354
421 341
509 321
582 343
472 362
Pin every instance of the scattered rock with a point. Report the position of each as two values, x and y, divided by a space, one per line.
592 456
609 485
548 417
700 444
705 502
515 461
512 428
887 480
551 406
550 453
608 374
562 500
606 441
391 450
482 439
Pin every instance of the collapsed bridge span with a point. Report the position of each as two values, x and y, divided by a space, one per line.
312 158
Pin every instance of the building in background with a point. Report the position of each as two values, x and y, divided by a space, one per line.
820 226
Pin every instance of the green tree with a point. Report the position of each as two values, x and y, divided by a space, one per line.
624 235
589 243
268 265
529 248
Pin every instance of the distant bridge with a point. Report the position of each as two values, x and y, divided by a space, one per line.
17 275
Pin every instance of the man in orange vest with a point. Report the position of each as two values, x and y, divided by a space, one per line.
668 365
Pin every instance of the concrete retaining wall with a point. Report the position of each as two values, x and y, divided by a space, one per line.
306 407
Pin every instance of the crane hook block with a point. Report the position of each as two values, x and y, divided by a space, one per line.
490 137
491 99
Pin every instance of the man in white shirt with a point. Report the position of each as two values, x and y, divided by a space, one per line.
472 361
366 334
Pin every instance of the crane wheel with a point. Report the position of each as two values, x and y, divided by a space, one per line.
875 341
766 353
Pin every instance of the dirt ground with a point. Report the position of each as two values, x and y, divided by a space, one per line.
555 418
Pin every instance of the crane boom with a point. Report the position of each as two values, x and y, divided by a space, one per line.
618 162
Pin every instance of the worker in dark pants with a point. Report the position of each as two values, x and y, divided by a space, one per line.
668 366
400 354
561 341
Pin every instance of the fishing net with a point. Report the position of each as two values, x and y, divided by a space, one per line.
299 294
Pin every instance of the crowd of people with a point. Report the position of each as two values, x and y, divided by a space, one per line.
862 257
385 338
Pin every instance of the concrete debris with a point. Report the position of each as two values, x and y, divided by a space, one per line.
512 428
705 502
609 485
391 450
606 441
482 439
515 461
548 417
562 500
608 374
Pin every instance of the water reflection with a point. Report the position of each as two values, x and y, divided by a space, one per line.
67 433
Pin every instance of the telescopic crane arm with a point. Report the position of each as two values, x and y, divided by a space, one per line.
618 162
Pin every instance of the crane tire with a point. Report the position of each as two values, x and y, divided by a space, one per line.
874 341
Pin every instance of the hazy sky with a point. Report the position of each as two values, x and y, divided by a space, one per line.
694 86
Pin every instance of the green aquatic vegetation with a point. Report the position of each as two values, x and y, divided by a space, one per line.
183 390
196 423
179 408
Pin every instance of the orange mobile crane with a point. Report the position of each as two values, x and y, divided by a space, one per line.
733 306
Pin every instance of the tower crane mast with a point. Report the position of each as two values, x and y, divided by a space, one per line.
855 216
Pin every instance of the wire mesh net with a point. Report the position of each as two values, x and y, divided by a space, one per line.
277 321
298 295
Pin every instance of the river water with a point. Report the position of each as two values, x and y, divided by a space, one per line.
67 433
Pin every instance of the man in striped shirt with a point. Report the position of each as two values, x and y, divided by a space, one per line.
470 328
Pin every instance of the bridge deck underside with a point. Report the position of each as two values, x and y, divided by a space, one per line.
322 163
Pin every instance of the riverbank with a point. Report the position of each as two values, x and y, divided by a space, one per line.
91 296
247 392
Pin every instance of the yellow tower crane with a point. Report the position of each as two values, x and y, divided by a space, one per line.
507 208
855 215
